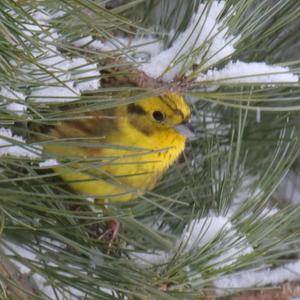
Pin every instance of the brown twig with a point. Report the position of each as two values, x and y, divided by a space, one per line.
15 285
281 292
121 73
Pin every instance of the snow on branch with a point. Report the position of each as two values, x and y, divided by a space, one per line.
57 78
12 100
215 230
253 72
260 278
15 145
48 163
203 42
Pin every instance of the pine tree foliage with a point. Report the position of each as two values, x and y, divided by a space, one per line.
247 140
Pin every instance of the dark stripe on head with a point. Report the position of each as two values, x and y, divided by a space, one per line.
135 109
175 110
135 113
168 101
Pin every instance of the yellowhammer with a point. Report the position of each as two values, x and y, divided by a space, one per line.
120 152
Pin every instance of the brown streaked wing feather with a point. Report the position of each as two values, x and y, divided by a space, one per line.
94 124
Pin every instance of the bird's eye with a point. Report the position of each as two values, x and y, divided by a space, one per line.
158 116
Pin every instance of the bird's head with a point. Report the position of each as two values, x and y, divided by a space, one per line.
167 112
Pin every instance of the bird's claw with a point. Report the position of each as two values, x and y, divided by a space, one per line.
111 232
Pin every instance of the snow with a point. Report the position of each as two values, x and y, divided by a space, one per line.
252 72
17 108
218 44
85 41
90 199
69 77
289 189
69 293
247 190
146 47
58 78
11 100
45 17
12 249
49 163
255 278
85 74
46 287
198 234
149 46
155 258
14 145
203 231
216 230
90 43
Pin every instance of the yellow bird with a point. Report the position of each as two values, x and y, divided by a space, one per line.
121 152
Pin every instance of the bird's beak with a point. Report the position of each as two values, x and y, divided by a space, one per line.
186 130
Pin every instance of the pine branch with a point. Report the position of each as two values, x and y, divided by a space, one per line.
233 144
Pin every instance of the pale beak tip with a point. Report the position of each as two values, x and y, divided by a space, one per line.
186 130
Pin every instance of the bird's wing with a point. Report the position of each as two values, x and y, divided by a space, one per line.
91 125
80 135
